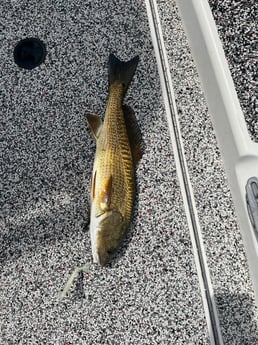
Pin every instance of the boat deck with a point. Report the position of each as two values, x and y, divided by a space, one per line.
182 275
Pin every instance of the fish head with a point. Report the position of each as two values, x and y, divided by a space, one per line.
106 236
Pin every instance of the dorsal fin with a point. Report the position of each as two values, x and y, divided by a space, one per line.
134 134
95 124
106 194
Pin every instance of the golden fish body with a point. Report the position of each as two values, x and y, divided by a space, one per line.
113 178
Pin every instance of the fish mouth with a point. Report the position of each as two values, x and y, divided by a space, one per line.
103 258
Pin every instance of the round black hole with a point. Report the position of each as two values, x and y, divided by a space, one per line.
29 53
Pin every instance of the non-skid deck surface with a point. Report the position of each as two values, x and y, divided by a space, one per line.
233 291
150 293
237 26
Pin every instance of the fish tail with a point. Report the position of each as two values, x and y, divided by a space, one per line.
120 71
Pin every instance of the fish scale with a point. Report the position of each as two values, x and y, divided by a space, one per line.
115 156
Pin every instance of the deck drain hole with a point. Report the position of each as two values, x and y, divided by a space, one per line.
29 53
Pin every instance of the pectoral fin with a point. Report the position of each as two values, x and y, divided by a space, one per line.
95 124
106 195
134 134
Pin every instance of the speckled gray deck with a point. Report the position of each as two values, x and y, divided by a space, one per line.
150 293
224 248
238 29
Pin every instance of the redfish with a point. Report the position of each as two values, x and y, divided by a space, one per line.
118 150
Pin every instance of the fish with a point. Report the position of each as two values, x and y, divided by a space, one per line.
119 148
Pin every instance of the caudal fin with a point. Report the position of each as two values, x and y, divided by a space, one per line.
122 71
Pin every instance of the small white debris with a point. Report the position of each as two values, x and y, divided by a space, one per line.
73 276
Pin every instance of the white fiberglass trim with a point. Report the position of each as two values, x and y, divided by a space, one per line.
239 152
183 176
